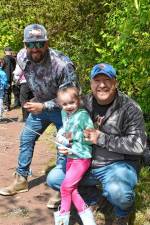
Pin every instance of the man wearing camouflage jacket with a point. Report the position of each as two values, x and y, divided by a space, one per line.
45 69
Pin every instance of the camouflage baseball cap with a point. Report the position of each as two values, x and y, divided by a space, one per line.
35 32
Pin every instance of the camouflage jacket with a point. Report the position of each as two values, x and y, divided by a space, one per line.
45 78
122 131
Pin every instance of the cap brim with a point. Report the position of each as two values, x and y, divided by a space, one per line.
34 40
101 73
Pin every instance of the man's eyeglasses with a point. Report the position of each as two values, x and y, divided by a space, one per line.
37 44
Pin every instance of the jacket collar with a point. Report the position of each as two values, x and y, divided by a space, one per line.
88 103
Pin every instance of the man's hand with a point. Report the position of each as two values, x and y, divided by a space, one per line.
33 107
91 135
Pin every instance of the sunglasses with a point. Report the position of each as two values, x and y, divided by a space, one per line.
37 44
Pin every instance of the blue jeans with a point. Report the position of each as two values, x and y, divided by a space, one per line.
117 180
38 123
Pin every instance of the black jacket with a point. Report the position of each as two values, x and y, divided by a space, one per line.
122 134
9 67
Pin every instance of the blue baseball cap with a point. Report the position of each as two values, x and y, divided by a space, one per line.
103 68
35 32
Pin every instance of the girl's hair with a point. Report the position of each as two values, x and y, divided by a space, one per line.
69 86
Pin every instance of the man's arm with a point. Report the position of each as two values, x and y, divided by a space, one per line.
132 142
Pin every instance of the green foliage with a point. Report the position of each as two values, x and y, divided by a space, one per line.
89 31
72 27
143 198
92 31
125 44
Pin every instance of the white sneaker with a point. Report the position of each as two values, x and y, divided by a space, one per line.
61 219
87 217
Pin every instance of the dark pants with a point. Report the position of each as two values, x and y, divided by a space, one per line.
16 93
25 95
7 98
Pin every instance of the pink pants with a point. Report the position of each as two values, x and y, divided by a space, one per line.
75 169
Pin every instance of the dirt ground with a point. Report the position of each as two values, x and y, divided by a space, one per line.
30 207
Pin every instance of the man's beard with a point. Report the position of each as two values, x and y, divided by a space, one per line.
37 57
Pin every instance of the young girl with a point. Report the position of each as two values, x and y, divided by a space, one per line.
3 86
75 121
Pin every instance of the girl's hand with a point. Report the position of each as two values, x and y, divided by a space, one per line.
68 135
62 150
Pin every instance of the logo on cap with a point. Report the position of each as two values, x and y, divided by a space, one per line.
102 66
36 33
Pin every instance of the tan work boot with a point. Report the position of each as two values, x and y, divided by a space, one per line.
54 200
19 185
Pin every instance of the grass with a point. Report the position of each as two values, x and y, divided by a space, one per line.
143 198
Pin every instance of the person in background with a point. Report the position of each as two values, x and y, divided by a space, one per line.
75 121
45 69
25 92
9 66
3 86
16 94
119 140
16 88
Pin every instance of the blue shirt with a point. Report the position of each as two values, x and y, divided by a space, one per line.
3 82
